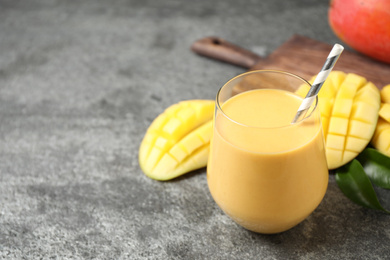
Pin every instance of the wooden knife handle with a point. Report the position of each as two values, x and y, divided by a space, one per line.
220 49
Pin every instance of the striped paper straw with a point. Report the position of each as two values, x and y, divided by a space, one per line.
318 82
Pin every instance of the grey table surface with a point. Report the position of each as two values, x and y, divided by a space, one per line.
81 81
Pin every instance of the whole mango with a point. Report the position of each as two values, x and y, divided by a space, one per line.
364 25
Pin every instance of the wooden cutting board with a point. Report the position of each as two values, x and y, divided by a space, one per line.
299 55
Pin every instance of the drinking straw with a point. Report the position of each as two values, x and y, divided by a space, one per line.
318 82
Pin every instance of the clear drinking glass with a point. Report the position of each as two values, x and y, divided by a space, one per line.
265 173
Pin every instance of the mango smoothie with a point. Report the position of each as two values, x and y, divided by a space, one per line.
265 173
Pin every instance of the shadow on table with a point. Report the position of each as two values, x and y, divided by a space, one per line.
336 226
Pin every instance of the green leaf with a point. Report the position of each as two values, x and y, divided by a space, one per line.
355 184
377 167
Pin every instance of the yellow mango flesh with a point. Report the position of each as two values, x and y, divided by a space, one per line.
349 108
381 138
178 140
385 94
384 111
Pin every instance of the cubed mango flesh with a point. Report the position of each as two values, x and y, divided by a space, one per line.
381 138
385 94
384 111
349 107
178 140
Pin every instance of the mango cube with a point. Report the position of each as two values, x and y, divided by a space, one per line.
338 125
384 111
337 78
381 139
385 94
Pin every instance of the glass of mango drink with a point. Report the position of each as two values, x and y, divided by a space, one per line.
265 173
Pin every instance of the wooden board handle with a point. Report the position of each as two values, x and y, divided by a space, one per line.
220 49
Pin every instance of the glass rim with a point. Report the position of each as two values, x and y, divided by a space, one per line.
265 71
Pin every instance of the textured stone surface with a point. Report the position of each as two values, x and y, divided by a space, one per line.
80 82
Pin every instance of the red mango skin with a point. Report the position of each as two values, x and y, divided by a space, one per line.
364 25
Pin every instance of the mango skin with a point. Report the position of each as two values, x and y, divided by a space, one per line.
178 140
364 25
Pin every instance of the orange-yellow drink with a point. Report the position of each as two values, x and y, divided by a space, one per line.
268 175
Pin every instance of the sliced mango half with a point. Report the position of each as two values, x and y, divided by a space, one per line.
178 140
349 107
